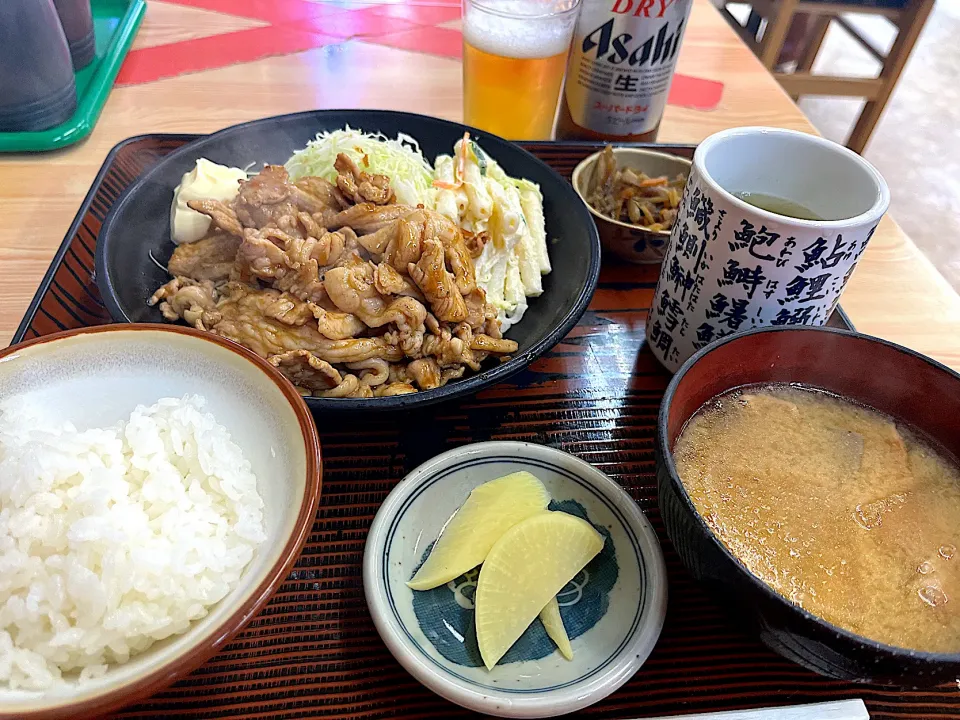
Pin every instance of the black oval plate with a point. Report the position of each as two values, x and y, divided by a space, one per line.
138 226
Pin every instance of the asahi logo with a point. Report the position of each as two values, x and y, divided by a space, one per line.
659 48
621 64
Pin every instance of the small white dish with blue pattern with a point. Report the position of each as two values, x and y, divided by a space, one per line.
613 610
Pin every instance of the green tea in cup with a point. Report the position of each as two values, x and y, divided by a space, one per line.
778 205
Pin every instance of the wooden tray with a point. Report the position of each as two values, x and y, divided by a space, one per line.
313 652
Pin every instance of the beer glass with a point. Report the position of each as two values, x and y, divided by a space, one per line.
514 57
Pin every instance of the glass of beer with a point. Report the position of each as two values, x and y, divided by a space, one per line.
514 57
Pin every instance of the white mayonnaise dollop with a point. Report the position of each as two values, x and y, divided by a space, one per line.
207 181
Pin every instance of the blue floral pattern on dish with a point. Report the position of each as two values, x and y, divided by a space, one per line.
445 614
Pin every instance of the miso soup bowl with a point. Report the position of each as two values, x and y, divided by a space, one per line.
899 382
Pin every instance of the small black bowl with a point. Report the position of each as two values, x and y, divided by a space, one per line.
899 382
134 242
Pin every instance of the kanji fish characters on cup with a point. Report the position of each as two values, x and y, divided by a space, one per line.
732 266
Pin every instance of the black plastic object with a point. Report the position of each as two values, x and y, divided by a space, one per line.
135 237
77 21
37 89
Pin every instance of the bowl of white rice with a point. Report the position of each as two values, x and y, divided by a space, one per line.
156 486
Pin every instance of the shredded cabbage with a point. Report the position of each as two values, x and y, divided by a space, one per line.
411 176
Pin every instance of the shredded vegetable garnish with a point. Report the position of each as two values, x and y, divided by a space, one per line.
481 157
460 168
411 176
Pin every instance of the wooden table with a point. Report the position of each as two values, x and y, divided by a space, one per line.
896 293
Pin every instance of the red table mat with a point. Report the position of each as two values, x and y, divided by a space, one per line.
292 26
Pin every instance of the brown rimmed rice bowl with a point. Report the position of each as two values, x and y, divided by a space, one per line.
96 376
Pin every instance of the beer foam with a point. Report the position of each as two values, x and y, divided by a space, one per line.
517 37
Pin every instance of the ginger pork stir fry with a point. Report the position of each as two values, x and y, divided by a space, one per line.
346 292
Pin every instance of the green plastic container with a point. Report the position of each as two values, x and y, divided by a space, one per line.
115 24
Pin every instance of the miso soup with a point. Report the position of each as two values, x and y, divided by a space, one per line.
838 508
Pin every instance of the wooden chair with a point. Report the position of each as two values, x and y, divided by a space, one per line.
769 23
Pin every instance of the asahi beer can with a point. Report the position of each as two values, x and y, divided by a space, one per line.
620 67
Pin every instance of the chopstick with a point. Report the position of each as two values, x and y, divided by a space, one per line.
839 710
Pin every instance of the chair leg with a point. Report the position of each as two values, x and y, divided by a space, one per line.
776 32
814 42
910 24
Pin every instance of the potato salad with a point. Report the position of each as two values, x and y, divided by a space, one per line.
503 218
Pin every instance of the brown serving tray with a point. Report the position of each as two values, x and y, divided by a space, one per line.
313 651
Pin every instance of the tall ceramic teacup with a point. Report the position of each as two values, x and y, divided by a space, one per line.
731 266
